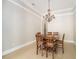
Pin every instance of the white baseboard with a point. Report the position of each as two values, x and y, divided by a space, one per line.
69 41
16 48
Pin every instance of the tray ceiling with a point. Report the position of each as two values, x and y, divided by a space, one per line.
42 5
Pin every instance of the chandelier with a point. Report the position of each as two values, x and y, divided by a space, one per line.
48 17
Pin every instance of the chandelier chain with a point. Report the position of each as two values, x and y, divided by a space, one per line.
48 4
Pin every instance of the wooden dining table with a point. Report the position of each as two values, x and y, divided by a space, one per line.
54 37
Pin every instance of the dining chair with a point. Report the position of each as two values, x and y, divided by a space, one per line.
49 33
56 35
50 45
39 42
60 43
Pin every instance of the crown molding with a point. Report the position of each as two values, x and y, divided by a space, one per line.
60 12
26 9
65 10
66 13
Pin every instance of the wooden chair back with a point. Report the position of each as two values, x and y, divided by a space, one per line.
63 37
39 37
49 39
55 33
49 33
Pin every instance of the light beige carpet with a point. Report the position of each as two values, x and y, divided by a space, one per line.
30 53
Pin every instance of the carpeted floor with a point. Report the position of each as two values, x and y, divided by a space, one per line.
30 53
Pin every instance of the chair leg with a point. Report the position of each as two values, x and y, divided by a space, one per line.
37 50
62 49
42 51
55 49
53 54
46 52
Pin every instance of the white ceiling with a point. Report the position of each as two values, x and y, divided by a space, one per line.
42 5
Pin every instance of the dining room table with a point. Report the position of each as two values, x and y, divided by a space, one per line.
53 38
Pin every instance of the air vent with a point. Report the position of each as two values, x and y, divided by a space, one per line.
33 4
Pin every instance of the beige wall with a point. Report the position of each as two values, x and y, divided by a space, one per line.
18 26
